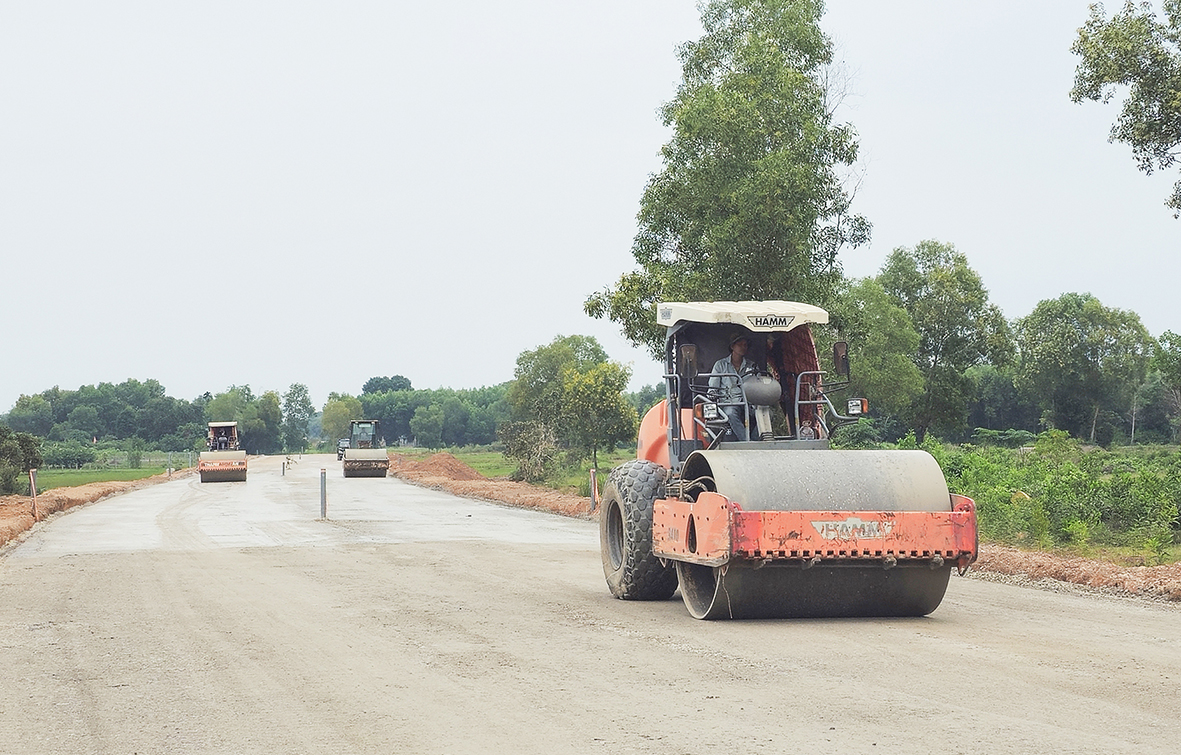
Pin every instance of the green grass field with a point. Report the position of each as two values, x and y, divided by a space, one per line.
493 464
48 479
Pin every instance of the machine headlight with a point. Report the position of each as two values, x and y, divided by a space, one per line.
858 406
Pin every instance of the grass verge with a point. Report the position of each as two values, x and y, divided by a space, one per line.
48 479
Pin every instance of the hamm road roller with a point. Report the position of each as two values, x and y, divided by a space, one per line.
750 523
366 455
223 462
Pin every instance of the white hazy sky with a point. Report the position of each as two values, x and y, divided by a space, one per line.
214 193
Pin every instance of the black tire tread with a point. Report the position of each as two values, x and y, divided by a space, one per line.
635 486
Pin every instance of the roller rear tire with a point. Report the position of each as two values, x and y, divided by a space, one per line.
625 533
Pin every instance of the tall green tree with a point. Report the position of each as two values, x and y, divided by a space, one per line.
957 326
297 410
228 406
596 413
566 396
882 345
456 415
645 398
996 403
267 434
1137 51
31 414
338 412
427 426
750 202
536 391
259 418
84 420
1080 359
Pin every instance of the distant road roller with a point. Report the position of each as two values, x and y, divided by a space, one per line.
751 524
223 462
366 455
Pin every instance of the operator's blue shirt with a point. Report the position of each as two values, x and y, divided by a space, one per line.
729 391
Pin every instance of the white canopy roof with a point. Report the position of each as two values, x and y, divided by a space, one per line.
759 316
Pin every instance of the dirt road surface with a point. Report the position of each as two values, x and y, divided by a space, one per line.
224 618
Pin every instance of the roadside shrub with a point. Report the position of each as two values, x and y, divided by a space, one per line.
861 434
1004 438
70 454
1058 492
533 447
19 452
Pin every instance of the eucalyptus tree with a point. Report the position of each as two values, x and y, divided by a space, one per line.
297 410
1137 52
957 325
750 203
1166 358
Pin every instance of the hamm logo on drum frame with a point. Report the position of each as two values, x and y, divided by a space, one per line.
853 528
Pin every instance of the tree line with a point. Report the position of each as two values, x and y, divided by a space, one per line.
142 411
934 355
569 391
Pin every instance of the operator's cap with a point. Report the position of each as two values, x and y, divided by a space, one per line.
737 336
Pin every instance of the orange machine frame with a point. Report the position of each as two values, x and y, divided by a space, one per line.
713 530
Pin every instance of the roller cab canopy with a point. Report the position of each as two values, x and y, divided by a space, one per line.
757 316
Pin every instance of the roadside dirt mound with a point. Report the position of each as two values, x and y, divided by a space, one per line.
16 511
442 471
1149 581
437 465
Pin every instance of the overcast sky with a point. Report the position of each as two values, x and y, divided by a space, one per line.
214 193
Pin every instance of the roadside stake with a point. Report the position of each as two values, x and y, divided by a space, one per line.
323 493
594 485
33 490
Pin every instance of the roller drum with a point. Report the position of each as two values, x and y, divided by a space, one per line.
823 479
366 462
222 466
739 591
817 480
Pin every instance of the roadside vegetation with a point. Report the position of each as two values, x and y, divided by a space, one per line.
1058 493
49 479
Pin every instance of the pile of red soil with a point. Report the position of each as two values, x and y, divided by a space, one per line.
1148 581
442 471
441 465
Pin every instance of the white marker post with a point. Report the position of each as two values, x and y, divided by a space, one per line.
323 493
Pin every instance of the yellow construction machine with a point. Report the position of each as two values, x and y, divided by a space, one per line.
749 522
